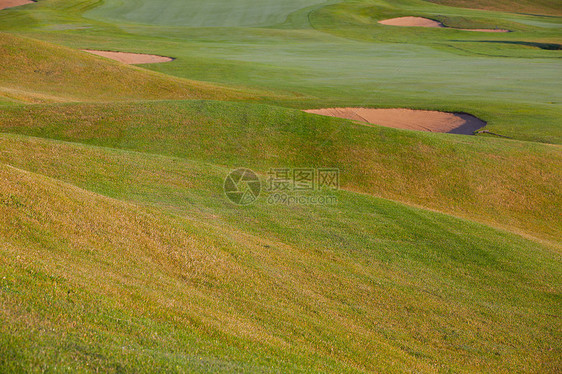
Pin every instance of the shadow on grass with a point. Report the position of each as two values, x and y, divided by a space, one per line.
545 46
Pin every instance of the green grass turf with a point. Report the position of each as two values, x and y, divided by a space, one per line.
120 253
326 55
35 71
194 13
546 7
502 182
163 274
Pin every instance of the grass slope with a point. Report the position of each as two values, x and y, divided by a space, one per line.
120 253
174 278
37 71
506 183
546 7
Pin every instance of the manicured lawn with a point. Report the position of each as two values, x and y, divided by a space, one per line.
194 13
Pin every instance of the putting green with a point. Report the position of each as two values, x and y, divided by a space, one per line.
197 13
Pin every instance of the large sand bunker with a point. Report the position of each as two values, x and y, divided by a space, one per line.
130 58
421 120
426 22
13 3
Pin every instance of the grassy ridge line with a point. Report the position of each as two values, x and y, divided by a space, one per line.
37 71
113 297
124 279
248 297
546 7
503 183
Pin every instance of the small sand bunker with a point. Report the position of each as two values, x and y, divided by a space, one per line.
426 22
130 58
13 3
421 120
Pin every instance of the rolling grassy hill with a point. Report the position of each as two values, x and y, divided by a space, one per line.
35 71
119 251
164 274
511 184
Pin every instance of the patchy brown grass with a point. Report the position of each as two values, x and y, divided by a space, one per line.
100 283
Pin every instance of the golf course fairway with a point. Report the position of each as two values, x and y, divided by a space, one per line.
259 186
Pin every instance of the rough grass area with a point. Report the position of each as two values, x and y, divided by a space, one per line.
36 71
167 276
501 182
120 252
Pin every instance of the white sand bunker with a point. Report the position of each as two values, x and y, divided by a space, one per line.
426 22
130 58
13 3
421 120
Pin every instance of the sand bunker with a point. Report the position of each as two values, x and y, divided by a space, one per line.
130 58
421 120
13 3
412 21
425 22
